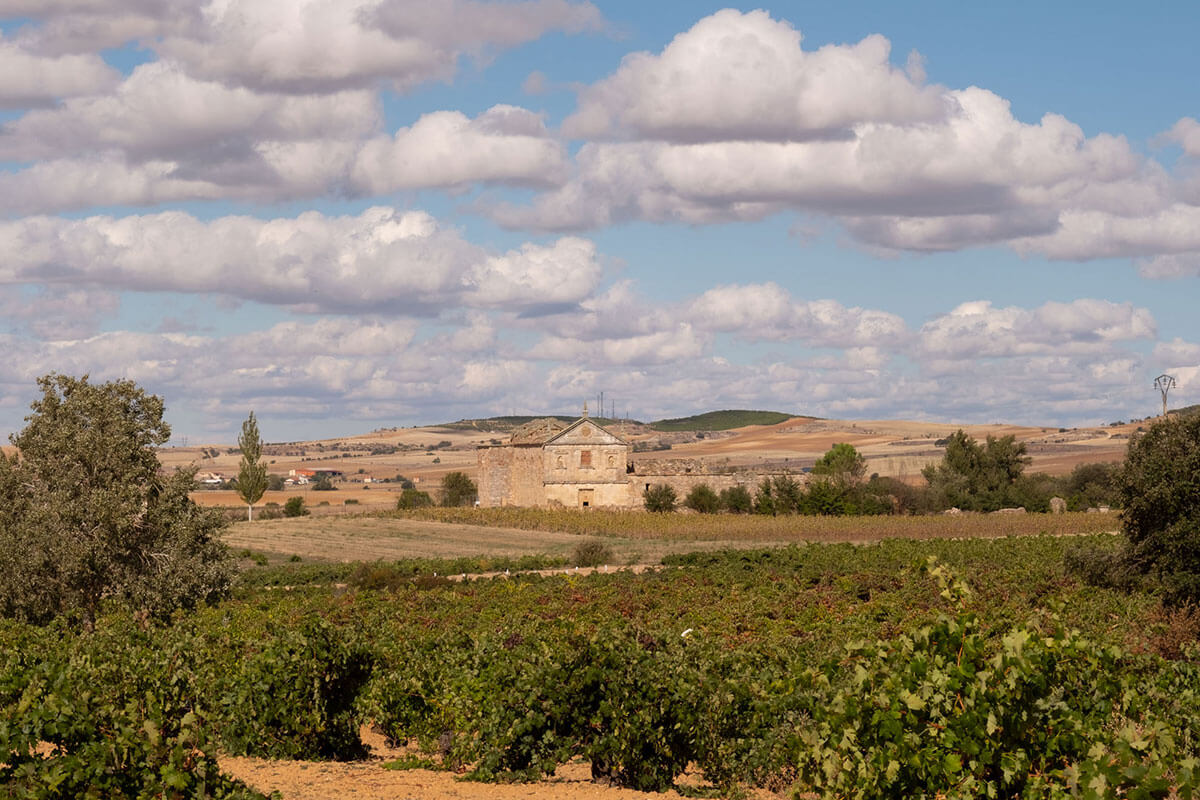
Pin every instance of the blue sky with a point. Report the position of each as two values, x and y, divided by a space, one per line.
350 214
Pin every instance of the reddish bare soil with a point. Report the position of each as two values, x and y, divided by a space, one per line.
306 780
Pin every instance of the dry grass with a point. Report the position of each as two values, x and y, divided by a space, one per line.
752 528
367 538
633 536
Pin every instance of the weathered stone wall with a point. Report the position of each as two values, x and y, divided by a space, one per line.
493 475
597 495
510 476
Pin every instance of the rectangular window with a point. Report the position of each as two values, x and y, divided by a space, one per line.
585 458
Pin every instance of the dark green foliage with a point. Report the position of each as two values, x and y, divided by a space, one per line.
788 494
458 490
736 500
116 709
842 464
323 484
592 553
85 515
1092 486
1160 492
294 695
413 498
294 507
977 477
720 421
620 700
826 496
659 498
275 483
764 498
703 499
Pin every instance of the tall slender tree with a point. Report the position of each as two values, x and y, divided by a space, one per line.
252 475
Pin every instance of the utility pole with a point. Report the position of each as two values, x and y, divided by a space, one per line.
1164 383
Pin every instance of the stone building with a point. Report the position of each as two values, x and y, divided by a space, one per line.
580 464
548 462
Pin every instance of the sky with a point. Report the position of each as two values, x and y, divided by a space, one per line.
346 215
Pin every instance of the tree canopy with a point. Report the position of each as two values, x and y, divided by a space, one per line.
458 489
85 515
842 463
1160 490
978 477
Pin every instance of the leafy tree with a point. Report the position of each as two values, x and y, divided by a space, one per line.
413 498
323 484
660 498
252 474
86 516
1160 491
977 477
1092 485
458 489
703 499
842 464
736 500
275 483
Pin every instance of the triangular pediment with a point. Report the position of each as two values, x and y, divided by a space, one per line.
585 431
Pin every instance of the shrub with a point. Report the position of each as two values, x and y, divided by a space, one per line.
413 498
659 497
294 507
736 500
592 553
703 499
788 494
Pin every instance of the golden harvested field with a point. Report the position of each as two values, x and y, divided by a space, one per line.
364 538
633 536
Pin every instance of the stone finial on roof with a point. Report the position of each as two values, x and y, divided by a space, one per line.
585 409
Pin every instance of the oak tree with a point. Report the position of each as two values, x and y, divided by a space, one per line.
87 517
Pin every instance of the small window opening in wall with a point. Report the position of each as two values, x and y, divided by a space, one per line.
586 504
647 487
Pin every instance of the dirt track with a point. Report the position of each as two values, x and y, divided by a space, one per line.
307 780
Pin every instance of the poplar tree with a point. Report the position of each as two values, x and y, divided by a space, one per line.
252 474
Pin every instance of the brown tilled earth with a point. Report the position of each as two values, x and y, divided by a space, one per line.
892 447
307 780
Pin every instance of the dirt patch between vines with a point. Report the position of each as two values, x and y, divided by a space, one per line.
311 780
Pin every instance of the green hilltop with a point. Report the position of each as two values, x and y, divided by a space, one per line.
721 420
710 421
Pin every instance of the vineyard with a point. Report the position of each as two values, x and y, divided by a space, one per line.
904 669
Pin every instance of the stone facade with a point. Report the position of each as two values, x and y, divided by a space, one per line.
582 465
